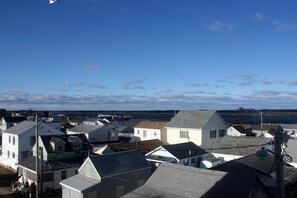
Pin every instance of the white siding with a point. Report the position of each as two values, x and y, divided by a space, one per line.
173 136
150 133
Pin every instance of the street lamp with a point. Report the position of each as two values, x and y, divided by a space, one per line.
279 172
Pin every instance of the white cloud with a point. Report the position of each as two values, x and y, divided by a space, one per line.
259 17
134 85
91 66
98 86
218 26
284 26
76 84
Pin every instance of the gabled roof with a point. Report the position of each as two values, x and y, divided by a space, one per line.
14 119
241 129
26 126
85 128
191 119
151 125
118 163
47 138
143 146
79 182
172 180
254 165
239 145
184 150
21 127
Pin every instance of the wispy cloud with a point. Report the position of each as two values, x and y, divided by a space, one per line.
98 86
91 66
76 84
266 82
259 17
294 82
284 26
218 26
168 99
193 84
134 85
279 81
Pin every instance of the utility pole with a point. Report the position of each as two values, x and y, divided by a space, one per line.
41 170
37 157
279 173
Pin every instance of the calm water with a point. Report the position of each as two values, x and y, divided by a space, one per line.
167 115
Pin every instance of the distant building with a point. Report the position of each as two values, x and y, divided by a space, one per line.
149 130
95 133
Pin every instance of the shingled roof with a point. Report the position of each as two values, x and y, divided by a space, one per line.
172 180
151 125
190 119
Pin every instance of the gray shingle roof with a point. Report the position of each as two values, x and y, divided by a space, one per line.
190 119
171 180
21 127
242 146
79 182
85 128
117 163
184 150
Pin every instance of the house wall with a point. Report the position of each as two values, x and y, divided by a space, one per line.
103 134
150 133
233 132
57 176
88 170
214 123
10 161
3 125
130 181
173 135
69 193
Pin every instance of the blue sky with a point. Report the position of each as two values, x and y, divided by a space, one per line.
148 54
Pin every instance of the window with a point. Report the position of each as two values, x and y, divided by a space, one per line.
13 155
8 154
155 133
221 133
13 140
193 160
144 133
32 140
137 131
213 134
183 134
9 139
63 174
59 149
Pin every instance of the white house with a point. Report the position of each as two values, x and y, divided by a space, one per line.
188 154
7 122
149 130
201 127
95 133
111 175
18 141
58 163
92 121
